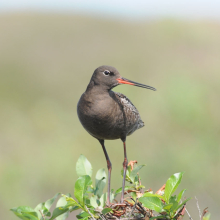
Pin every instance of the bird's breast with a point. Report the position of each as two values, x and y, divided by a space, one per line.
99 117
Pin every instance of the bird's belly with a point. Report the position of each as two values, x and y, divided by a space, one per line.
102 127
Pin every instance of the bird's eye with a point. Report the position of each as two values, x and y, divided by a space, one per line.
106 73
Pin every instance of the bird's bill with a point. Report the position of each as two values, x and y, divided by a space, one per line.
129 82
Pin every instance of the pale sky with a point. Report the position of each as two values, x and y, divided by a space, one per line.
124 8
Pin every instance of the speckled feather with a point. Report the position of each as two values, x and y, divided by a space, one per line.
131 112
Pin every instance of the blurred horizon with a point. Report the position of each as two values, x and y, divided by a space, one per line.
46 62
128 9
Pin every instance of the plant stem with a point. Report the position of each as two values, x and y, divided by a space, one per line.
90 213
133 208
197 203
42 214
188 214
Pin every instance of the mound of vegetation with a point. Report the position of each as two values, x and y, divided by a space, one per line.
90 199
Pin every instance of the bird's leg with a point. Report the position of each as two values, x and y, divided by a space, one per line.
109 166
125 164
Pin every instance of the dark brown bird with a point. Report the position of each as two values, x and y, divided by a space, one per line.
108 115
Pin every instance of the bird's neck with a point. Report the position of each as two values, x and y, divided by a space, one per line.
96 88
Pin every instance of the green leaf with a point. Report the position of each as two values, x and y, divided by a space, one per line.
172 199
58 211
81 186
48 214
41 207
83 166
83 215
93 201
153 203
50 202
128 170
62 203
25 213
106 210
45 206
140 187
147 194
179 206
180 195
168 207
171 185
135 171
86 218
136 180
174 207
120 190
31 215
127 178
112 195
100 181
103 200
71 202
134 195
20 209
158 217
207 217
73 208
90 190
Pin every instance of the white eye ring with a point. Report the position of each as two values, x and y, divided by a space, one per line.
106 72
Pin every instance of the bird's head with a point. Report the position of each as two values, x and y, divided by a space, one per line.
108 77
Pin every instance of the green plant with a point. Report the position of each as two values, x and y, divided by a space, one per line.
66 204
167 204
91 200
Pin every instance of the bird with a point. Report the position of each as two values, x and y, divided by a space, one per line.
109 115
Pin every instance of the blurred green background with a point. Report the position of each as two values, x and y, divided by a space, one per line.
46 61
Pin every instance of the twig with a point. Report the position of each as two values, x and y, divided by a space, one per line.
109 216
90 213
161 190
42 214
133 208
204 212
116 217
140 206
102 216
141 190
188 214
197 203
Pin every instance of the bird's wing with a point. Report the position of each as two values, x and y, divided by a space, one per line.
126 102
133 117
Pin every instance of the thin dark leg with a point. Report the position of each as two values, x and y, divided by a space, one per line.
109 165
125 164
